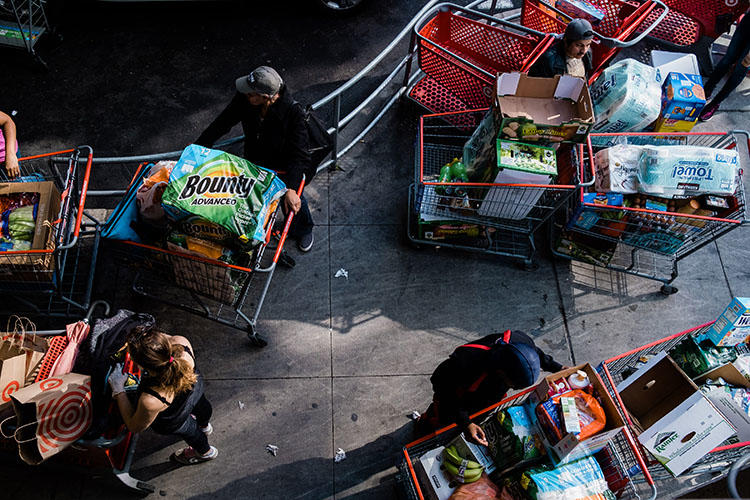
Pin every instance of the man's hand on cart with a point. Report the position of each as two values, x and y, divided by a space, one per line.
11 165
292 201
117 380
477 434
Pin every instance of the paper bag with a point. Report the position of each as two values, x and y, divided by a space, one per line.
51 415
20 355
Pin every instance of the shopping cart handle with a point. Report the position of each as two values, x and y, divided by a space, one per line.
287 224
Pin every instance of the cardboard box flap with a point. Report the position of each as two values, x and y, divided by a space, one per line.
538 109
728 372
507 83
569 87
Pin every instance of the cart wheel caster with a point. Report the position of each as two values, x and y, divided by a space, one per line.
287 261
668 289
531 265
255 339
146 488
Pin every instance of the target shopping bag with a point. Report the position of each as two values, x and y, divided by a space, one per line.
20 354
51 415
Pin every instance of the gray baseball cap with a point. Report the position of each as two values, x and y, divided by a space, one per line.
261 80
579 29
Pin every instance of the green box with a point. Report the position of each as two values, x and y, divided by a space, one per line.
525 157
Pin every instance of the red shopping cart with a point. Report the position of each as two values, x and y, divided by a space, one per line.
461 52
620 459
625 23
714 466
642 241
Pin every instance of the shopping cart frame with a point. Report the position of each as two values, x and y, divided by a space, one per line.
199 298
623 449
717 462
65 289
642 257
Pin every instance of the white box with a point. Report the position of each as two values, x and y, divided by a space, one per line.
733 326
678 62
508 202
439 481
686 434
477 452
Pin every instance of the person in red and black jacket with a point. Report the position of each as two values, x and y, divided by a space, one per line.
478 374
275 138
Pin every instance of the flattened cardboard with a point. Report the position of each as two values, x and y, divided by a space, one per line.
435 482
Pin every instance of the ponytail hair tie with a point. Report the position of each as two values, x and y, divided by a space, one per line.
171 359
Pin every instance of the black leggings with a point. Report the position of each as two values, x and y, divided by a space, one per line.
190 430
737 50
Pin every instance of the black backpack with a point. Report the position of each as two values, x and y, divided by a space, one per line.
320 141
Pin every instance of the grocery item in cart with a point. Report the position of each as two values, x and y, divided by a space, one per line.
582 479
481 489
149 194
733 326
224 189
524 157
679 171
697 355
626 97
480 152
682 96
617 169
513 438
591 416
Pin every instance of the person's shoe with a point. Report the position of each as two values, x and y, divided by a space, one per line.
188 456
305 242
708 112
207 430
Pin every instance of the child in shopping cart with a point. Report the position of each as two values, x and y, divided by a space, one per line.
571 55
8 145
477 375
170 393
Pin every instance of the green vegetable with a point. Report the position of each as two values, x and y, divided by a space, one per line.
21 223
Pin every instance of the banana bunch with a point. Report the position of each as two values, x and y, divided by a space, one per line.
464 470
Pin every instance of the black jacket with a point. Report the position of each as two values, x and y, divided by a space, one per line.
454 376
552 62
278 142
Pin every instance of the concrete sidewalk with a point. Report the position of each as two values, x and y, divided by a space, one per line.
349 358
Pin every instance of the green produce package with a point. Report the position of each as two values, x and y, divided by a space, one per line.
696 356
582 479
513 439
224 189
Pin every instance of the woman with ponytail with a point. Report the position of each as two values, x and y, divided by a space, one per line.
170 394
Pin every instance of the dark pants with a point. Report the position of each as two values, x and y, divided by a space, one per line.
190 431
737 50
302 223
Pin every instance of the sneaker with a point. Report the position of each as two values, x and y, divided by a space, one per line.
188 456
207 430
708 112
305 242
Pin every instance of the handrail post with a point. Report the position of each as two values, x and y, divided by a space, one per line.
412 51
337 126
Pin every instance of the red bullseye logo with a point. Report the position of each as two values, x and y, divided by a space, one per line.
64 420
50 383
10 389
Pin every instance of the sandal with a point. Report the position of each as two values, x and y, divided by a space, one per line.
188 456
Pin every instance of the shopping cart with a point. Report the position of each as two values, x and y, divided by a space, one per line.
713 467
642 241
22 24
625 24
461 52
492 217
620 460
207 287
55 280
114 449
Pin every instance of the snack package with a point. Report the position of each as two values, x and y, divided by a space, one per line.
617 169
626 97
223 189
149 195
582 479
591 416
678 171
516 441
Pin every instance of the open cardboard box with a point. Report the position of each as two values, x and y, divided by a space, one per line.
436 481
555 109
723 401
20 265
674 420
570 448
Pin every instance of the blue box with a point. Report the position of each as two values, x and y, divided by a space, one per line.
682 97
733 326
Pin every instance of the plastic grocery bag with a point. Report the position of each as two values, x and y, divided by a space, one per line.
626 97
576 480
513 438
669 171
149 194
224 189
481 489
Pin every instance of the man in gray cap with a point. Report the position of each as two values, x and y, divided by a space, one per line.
570 55
275 138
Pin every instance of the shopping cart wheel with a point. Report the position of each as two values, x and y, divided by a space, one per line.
255 339
668 289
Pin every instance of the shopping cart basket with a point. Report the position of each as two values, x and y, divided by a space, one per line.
55 280
645 242
207 287
625 24
461 52
620 460
713 466
497 218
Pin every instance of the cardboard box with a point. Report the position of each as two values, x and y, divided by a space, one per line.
723 401
544 109
21 265
678 62
523 157
733 326
434 481
570 448
674 420
682 97
672 125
